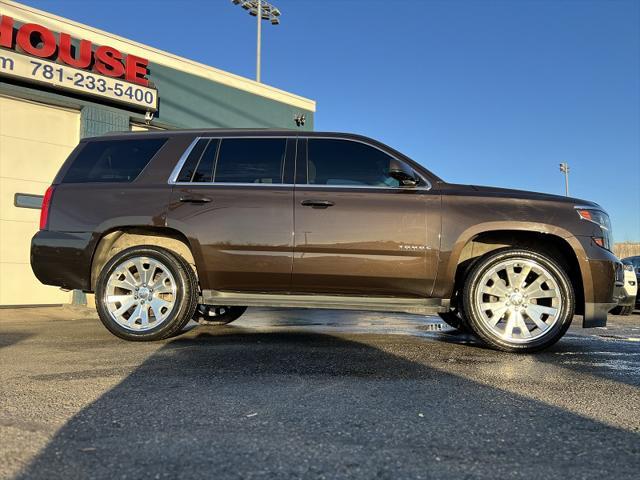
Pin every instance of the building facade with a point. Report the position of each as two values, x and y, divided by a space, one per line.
61 81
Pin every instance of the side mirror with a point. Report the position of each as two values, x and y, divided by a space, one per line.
405 179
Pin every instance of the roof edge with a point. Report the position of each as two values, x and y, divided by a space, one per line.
26 13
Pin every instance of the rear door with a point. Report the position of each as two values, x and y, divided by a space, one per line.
357 232
233 198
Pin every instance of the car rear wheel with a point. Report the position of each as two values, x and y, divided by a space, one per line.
217 314
146 293
518 300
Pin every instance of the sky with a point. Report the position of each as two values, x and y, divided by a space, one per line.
484 92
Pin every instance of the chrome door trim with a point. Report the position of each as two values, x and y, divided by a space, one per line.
230 184
183 158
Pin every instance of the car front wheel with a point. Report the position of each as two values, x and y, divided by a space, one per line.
146 293
518 300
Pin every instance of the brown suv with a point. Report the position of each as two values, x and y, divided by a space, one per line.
168 226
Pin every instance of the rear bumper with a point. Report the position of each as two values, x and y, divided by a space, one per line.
62 259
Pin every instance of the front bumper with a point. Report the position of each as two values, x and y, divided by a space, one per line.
627 300
62 259
603 282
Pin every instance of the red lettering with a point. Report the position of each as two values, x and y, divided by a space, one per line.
109 62
137 70
83 59
39 41
45 47
6 32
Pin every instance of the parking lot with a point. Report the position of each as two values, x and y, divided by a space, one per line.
313 394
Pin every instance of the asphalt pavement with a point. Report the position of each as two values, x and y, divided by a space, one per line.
313 394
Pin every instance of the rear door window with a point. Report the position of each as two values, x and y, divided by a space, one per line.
250 160
190 165
199 164
112 160
204 172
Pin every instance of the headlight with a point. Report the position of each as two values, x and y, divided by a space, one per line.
601 219
627 267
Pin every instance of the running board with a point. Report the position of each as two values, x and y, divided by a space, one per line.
421 306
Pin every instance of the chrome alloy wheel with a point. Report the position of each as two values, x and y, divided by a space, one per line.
140 293
518 300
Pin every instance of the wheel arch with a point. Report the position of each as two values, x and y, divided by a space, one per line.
551 240
117 239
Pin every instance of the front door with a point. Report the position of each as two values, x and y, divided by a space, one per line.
231 200
357 231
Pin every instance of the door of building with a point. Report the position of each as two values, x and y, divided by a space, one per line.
35 139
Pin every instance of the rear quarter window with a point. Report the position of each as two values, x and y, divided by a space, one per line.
112 160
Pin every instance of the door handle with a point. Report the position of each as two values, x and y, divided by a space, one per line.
195 199
317 203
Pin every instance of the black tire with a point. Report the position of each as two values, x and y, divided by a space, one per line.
557 273
456 320
217 315
185 302
619 310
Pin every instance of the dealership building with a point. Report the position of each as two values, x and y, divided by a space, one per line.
61 81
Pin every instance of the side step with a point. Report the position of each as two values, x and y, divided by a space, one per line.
420 306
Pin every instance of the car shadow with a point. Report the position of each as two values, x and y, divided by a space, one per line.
10 338
235 403
610 358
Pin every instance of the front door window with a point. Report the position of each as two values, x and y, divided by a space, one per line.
344 162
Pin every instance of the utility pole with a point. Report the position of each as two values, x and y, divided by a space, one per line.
262 10
258 53
564 167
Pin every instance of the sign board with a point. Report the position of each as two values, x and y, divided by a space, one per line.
51 74
33 53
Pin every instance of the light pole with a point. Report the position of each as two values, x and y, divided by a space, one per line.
564 167
262 10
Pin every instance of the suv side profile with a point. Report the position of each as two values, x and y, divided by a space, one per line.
169 226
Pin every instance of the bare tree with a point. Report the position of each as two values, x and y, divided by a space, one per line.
626 249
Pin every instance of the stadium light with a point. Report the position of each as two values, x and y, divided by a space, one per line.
564 168
263 11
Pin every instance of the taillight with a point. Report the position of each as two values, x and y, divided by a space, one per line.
46 205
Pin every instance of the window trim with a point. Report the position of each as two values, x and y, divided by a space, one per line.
183 158
425 188
178 168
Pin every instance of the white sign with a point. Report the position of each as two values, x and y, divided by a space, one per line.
52 74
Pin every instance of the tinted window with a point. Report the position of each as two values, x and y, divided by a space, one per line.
191 163
343 162
251 160
112 160
204 172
